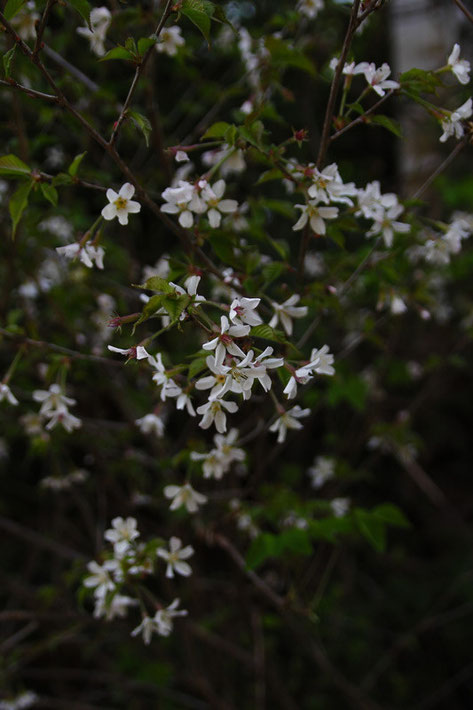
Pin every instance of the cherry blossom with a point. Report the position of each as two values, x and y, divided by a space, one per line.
315 215
223 342
378 78
121 534
100 19
137 352
212 196
184 495
289 420
120 204
452 124
243 311
213 413
7 394
286 311
322 471
175 556
88 254
151 424
459 67
170 40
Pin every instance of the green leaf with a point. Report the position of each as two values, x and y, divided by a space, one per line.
156 283
11 166
175 305
7 60
268 545
62 179
143 124
199 12
150 308
83 8
284 55
74 166
391 514
388 123
419 80
49 192
272 271
267 333
197 366
372 529
216 130
220 16
145 43
18 203
130 45
273 174
118 53
12 8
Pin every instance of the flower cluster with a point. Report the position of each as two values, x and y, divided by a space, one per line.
188 200
54 408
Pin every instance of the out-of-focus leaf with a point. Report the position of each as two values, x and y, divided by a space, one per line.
18 203
49 192
11 166
74 166
12 8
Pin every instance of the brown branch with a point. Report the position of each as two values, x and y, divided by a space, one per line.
24 340
464 9
324 141
139 70
42 26
458 148
11 84
361 119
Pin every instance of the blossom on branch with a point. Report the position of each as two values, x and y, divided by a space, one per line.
120 204
459 67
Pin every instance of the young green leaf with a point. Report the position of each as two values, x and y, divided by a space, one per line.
74 166
199 12
11 166
7 60
156 283
118 53
12 8
83 8
49 192
18 203
142 123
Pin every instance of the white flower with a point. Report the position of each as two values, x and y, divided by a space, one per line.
378 78
134 353
65 418
218 460
121 534
25 21
100 579
340 506
315 216
168 387
223 342
320 363
213 412
185 495
310 8
87 254
57 225
452 125
286 311
459 67
397 306
120 204
163 618
234 163
371 201
116 607
328 186
289 420
175 556
184 400
322 471
385 223
100 19
20 702
182 200
6 393
243 311
170 40
151 424
181 156
265 361
52 399
147 626
212 196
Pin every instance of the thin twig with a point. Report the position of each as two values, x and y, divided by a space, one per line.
458 148
464 9
324 141
22 339
361 119
42 26
74 71
139 70
11 84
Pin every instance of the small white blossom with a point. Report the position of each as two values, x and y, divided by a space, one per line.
121 534
385 223
184 495
371 201
7 394
378 78
181 156
223 342
315 215
340 506
243 311
164 617
452 125
170 40
322 471
25 21
459 67
286 312
100 579
146 628
310 8
100 19
20 702
212 196
120 204
151 424
213 413
289 420
87 254
182 200
116 607
175 556
235 163
133 353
